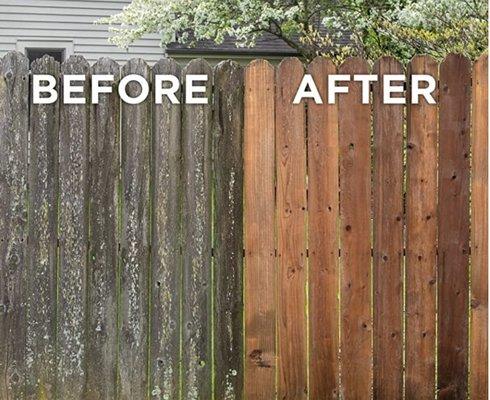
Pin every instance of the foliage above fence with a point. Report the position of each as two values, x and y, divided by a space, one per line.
245 248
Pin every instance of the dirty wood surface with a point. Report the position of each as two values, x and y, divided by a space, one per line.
14 125
104 241
323 237
166 244
135 238
228 234
291 232
259 242
453 233
42 250
196 214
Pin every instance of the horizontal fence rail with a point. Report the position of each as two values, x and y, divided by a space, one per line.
249 247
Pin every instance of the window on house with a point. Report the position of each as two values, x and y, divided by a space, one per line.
35 53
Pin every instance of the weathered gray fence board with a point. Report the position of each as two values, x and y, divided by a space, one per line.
228 223
73 237
43 236
103 239
135 136
14 123
166 259
196 131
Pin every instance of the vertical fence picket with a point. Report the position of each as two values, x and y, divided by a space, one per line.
228 221
421 234
291 232
323 237
166 242
73 236
388 237
196 131
453 234
14 125
355 237
103 243
479 234
259 232
135 240
42 249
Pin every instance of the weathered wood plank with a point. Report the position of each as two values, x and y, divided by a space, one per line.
479 234
323 237
103 239
421 234
73 237
43 237
14 125
355 237
228 224
166 259
259 232
388 238
135 238
453 237
291 232
196 131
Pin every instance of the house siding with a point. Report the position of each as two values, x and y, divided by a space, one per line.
70 22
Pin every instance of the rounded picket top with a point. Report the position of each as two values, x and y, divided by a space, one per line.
106 65
290 64
455 62
198 66
388 65
228 71
136 66
482 60
75 65
45 65
321 64
421 63
354 65
13 64
259 63
167 66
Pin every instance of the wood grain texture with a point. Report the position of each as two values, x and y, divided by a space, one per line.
228 229
73 237
323 237
355 237
291 232
166 258
135 238
196 131
421 234
103 264
259 241
453 235
43 237
479 233
387 237
14 125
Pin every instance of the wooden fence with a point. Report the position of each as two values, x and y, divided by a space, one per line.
249 248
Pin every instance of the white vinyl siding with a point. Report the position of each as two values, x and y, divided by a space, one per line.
36 22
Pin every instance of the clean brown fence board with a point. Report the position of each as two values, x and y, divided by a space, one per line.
479 234
323 237
355 237
259 231
103 239
291 232
196 132
73 237
42 250
228 222
387 237
453 240
14 125
421 234
166 243
135 240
